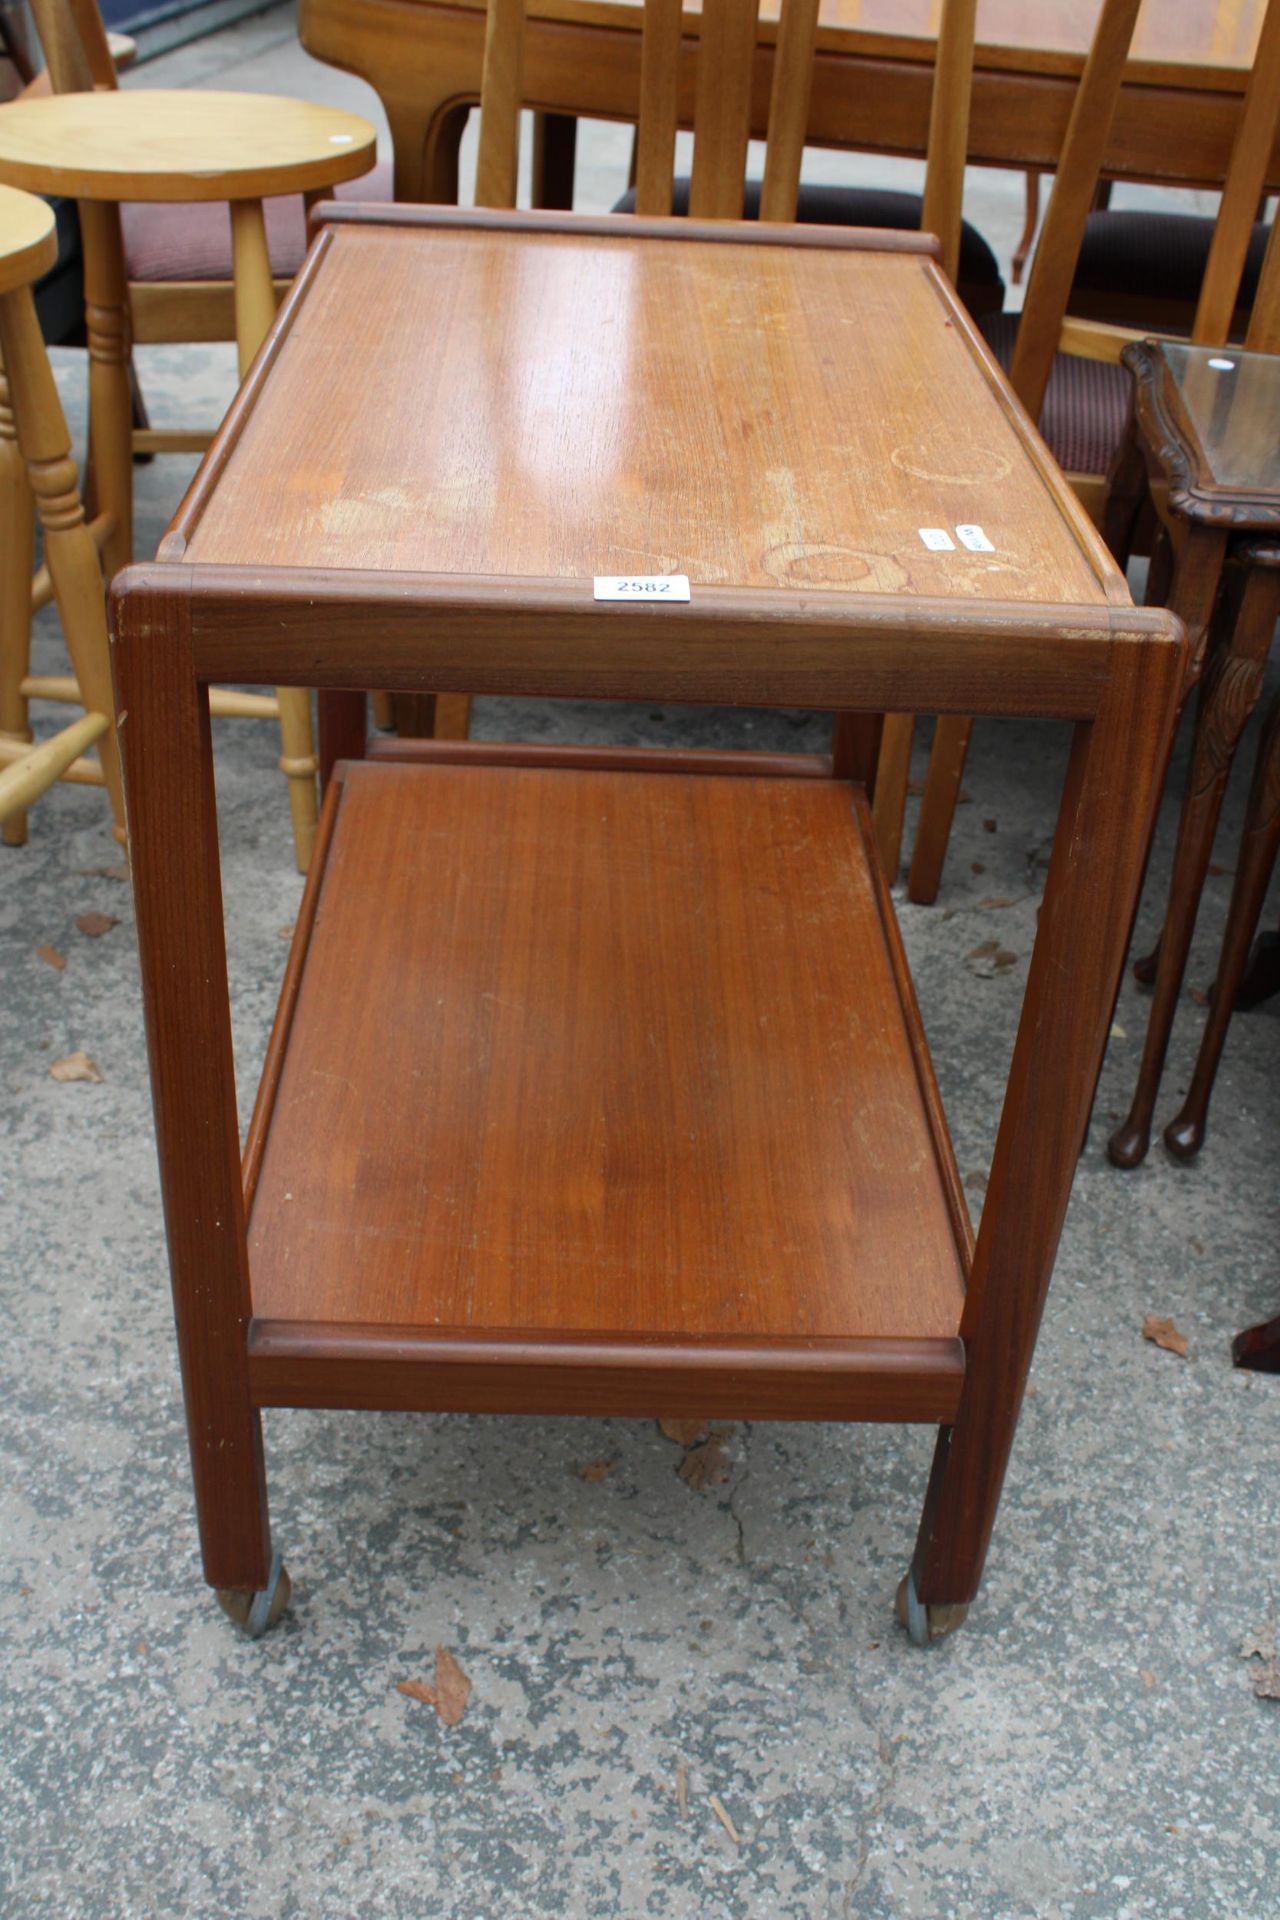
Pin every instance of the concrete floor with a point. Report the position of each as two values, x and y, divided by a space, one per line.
1088 1746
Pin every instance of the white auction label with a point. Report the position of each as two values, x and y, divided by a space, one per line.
975 539
937 539
654 587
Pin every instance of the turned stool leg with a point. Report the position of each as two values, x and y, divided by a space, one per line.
74 567
1184 1136
106 295
17 538
1229 694
255 310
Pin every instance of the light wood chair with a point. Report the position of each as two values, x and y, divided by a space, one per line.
103 149
727 41
1064 368
35 461
664 1064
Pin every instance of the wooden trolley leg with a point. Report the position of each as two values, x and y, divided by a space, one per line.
182 951
1116 763
17 539
1228 696
255 310
1184 1136
892 774
938 808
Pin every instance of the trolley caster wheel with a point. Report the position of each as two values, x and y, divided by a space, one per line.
925 1624
255 1612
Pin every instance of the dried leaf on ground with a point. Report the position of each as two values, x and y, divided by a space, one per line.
685 1433
1262 1646
285 933
705 1466
1163 1333
993 902
989 959
1118 1032
977 866
453 1689
596 1470
717 1807
989 825
75 1066
94 925
417 1690
964 798
52 958
1199 995
1147 1678
120 872
450 1693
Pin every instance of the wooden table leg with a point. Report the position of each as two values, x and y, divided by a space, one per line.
255 310
1260 842
1228 696
555 151
1117 762
17 544
947 756
106 298
72 558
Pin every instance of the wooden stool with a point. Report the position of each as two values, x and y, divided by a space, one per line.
105 148
35 460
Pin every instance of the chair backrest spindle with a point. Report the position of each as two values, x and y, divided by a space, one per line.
76 50
659 115
1053 268
722 109
1245 186
949 130
788 109
502 90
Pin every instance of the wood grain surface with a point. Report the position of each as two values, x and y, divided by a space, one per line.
654 1058
28 243
189 145
549 421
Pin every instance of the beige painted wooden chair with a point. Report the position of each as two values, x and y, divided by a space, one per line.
105 149
36 463
1050 343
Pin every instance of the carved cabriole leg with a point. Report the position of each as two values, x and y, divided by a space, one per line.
1228 696
1188 578
1184 1136
16 554
182 953
255 310
69 549
947 756
106 295
1116 764
892 774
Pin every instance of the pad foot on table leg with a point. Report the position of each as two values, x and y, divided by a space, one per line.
925 1624
256 1612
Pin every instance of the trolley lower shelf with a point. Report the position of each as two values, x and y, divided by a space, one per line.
601 1092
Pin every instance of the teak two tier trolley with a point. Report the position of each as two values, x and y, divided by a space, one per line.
598 1084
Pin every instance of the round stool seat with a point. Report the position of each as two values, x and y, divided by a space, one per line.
174 145
28 239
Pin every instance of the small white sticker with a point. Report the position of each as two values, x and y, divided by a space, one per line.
937 539
656 588
1223 366
975 539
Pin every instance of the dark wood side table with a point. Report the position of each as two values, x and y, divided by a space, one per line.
1207 424
598 1083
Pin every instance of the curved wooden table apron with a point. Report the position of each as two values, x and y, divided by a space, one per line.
104 148
872 77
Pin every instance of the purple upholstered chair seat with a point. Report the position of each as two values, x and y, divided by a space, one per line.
1086 407
192 240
